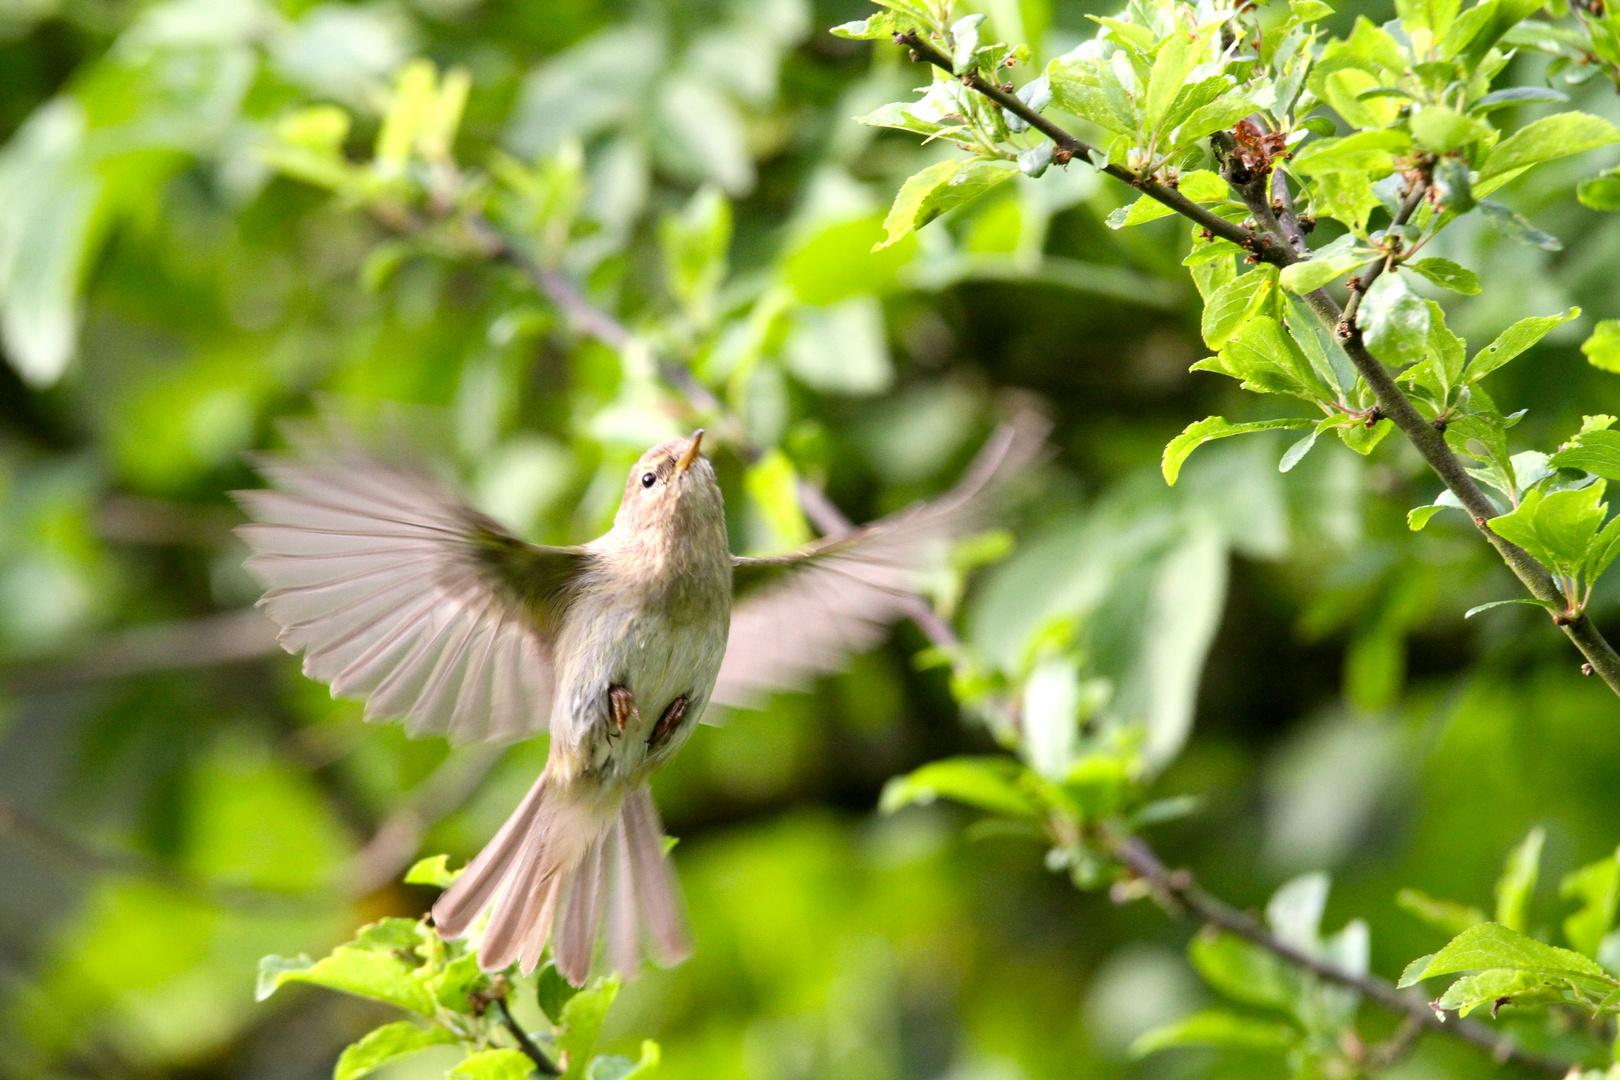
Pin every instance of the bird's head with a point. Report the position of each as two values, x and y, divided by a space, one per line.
671 490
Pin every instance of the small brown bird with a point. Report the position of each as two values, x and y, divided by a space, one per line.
399 593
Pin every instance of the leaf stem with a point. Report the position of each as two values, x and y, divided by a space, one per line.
544 1064
1392 403
1177 891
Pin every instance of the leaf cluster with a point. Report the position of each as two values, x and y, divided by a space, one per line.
406 964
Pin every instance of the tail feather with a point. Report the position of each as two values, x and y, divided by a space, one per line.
658 894
455 911
623 936
543 877
581 916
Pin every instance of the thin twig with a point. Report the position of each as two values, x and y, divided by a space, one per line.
1391 401
1178 890
1396 1047
24 828
546 1066
1073 147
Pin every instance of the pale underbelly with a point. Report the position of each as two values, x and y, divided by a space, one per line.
659 662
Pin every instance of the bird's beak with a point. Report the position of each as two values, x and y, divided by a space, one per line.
690 455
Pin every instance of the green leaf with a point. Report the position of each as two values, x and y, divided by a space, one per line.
1394 321
1413 972
936 189
457 984
1600 192
618 1067
1602 349
1323 266
582 1024
1216 1027
1475 31
881 26
1518 882
1487 988
388 1043
965 42
1557 529
433 870
1218 115
1602 550
1210 428
381 976
1514 224
1091 92
1233 304
1471 612
1267 360
1447 275
1443 130
1516 95
1447 915
1597 886
1492 945
1346 197
1547 139
1418 517
1169 74
1241 971
1433 16
1128 33
553 992
1513 341
1296 453
1200 185
1596 452
1366 151
988 783
493 1065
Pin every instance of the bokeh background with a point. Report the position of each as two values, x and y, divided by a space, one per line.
176 800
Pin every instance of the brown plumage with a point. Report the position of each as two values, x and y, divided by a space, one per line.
398 593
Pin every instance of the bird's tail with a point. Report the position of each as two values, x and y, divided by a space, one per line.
560 868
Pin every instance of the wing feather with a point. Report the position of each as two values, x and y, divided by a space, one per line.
397 592
797 616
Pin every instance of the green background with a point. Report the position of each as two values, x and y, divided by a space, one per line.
176 800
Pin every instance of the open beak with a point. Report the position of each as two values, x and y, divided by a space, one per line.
690 455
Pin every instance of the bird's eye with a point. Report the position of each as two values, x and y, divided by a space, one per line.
649 479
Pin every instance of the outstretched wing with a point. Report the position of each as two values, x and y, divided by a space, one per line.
397 592
796 616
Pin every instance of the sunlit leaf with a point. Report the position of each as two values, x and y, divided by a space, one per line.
387 1043
1213 427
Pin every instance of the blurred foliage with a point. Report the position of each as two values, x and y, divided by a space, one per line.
215 213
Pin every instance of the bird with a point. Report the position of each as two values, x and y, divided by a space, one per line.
398 592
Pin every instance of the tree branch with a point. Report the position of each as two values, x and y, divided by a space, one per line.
1249 239
1177 891
1600 656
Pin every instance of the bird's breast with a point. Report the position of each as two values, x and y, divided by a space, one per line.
658 645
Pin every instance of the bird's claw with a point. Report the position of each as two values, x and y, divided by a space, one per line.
622 708
668 722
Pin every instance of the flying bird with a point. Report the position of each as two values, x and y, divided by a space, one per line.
398 592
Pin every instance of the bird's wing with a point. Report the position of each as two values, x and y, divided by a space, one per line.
397 592
796 616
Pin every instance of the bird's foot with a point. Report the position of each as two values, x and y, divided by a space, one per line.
622 708
668 722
